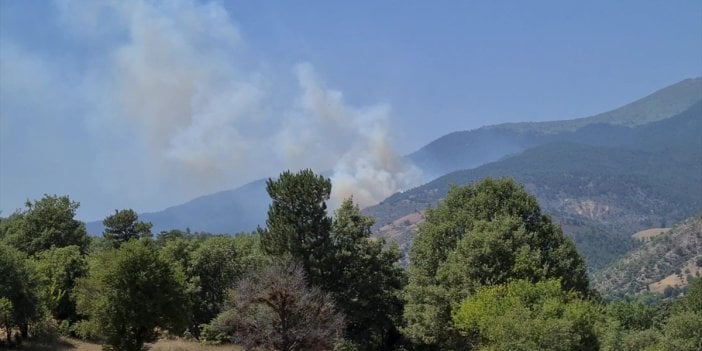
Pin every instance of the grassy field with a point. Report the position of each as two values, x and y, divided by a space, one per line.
66 344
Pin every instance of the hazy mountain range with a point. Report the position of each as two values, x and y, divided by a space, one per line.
602 177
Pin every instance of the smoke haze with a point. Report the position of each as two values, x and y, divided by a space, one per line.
179 105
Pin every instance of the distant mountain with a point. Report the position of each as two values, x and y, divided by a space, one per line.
602 189
231 211
244 208
666 261
470 149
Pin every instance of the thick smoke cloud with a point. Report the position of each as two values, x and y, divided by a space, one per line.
182 102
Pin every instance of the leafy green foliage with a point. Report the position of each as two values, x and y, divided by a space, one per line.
492 232
123 226
365 280
635 179
6 316
44 224
128 293
338 255
17 289
521 315
215 268
57 270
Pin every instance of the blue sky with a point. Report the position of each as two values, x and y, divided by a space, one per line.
144 105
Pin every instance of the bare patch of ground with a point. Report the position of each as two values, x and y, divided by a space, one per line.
648 234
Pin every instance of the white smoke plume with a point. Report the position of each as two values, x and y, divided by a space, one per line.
356 143
205 112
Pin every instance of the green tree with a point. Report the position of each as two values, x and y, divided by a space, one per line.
338 255
128 293
522 315
683 330
57 270
44 224
297 221
366 280
123 226
275 309
492 232
18 287
216 267
6 317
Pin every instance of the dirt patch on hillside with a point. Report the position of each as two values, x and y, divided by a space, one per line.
678 280
649 233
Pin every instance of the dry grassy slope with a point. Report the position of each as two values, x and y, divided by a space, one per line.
648 234
666 260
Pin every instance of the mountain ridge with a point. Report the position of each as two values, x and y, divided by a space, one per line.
472 148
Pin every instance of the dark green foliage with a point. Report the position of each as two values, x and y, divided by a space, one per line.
44 224
215 268
123 226
365 280
18 290
635 180
57 270
128 293
297 221
211 266
339 256
492 232
521 315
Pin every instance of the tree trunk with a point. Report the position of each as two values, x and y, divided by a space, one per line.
24 330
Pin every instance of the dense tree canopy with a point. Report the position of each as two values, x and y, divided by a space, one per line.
488 271
18 290
521 315
365 280
57 270
488 233
339 255
46 223
128 293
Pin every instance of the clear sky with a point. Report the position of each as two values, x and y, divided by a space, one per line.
144 105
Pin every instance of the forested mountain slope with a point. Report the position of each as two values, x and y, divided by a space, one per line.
469 149
667 261
244 208
637 178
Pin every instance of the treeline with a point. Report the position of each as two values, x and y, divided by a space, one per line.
488 271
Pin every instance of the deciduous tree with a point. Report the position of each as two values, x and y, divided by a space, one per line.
57 270
521 315
488 233
128 293
49 222
18 287
275 309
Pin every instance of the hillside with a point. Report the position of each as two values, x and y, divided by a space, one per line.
642 177
668 260
469 149
244 208
231 211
